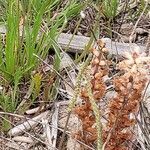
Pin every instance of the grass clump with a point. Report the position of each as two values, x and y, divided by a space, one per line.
32 27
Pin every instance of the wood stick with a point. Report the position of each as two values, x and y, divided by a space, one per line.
79 42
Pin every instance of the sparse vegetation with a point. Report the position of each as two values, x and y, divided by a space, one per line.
38 74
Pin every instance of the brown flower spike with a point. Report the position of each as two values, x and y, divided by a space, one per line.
128 87
84 112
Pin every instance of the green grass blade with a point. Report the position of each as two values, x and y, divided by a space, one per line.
12 36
